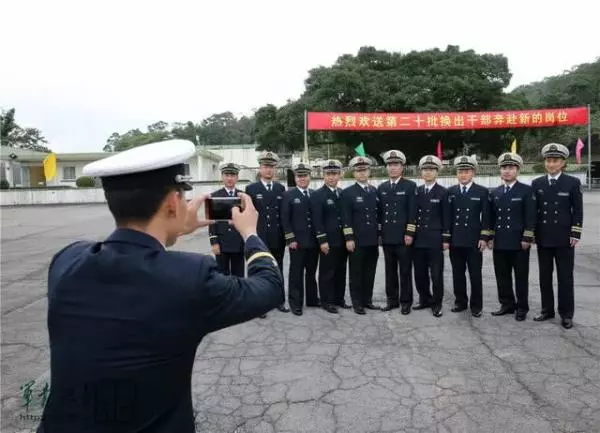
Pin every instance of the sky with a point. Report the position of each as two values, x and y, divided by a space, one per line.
81 70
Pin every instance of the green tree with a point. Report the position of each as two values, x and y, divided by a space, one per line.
13 135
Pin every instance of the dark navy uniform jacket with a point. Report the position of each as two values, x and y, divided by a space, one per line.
433 217
326 209
559 210
470 215
296 218
360 215
513 216
397 210
223 233
268 205
125 317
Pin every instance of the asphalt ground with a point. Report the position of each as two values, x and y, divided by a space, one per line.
382 372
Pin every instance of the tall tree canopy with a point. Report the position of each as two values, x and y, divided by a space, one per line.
220 128
13 135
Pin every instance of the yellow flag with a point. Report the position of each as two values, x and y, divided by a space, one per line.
513 146
50 166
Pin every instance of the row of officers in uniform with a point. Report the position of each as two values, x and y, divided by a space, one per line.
330 228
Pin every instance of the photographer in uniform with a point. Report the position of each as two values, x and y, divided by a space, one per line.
126 315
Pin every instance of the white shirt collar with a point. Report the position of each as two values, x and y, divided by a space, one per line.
331 189
556 176
430 187
229 190
363 185
468 186
510 185
395 181
302 189
267 182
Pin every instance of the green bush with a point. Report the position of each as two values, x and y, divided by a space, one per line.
539 168
4 184
85 182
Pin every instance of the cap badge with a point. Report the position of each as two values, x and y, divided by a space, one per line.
553 147
269 155
393 154
429 159
464 159
507 157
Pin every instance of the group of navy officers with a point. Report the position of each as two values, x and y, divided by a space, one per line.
334 230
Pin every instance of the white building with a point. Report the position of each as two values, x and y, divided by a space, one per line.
24 168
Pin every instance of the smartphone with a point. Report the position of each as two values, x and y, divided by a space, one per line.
219 208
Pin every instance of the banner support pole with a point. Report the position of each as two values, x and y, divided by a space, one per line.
306 136
589 143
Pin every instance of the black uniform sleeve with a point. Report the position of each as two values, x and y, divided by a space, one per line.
347 216
446 217
213 235
576 209
486 209
316 209
229 300
286 218
411 200
492 230
380 209
530 215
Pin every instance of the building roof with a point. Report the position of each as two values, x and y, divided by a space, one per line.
25 155
229 146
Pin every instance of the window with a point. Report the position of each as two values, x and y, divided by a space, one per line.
69 173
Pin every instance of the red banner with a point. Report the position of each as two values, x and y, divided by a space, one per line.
318 121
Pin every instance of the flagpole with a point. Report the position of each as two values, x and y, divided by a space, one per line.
589 144
306 136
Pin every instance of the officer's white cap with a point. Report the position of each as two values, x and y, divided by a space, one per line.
555 150
509 158
147 166
465 162
430 161
392 156
359 162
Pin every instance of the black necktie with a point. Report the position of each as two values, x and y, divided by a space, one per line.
268 187
506 189
305 193
393 186
426 191
464 190
231 193
552 181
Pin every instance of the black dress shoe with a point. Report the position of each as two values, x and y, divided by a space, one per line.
476 313
567 323
543 316
458 308
344 305
421 306
314 304
405 309
502 311
359 310
263 316
330 308
437 311
297 311
390 307
283 308
520 316
372 307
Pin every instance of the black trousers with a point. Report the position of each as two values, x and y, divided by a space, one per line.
429 261
363 264
564 257
303 270
505 262
231 263
398 260
461 258
332 275
278 255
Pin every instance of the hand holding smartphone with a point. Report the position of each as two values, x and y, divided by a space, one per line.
218 209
